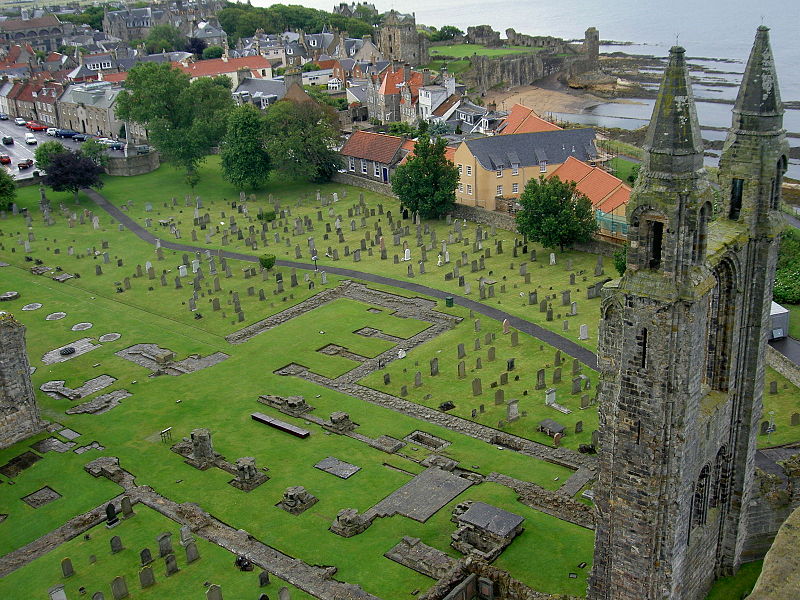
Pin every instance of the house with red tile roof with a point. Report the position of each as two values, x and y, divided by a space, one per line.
408 148
237 69
522 119
608 194
373 156
393 94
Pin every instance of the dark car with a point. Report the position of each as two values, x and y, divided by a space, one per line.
25 164
3 117
81 137
66 133
116 146
8 140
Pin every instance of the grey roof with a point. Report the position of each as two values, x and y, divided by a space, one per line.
258 88
551 425
359 92
494 520
528 149
101 94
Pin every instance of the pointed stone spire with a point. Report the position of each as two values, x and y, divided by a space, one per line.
758 106
673 143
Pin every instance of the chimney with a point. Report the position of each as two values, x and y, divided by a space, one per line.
427 78
491 106
449 83
406 72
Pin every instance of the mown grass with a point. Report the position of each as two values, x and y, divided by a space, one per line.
467 50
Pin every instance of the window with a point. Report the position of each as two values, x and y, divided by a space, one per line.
364 166
500 172
543 166
656 238
469 189
469 169
461 187
352 164
460 168
737 186
515 188
515 170
377 169
499 190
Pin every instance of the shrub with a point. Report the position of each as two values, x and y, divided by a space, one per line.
267 261
621 260
267 215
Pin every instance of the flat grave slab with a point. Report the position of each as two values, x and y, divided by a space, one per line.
337 467
55 316
41 497
69 434
81 326
52 444
280 425
423 496
81 346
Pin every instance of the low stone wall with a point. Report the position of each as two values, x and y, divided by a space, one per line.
485 217
596 246
783 365
137 164
372 186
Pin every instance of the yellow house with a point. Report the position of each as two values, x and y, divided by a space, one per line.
493 170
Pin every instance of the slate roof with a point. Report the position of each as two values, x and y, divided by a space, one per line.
494 520
529 149
31 24
377 147
259 88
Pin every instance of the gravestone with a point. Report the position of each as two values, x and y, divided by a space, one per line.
66 567
462 370
283 594
112 520
116 545
764 428
191 552
550 396
461 352
584 332
171 564
146 556
146 577
557 375
579 427
476 387
499 396
576 385
491 354
263 579
164 544
773 387
214 592
795 419
418 379
119 588
434 367
512 411
514 338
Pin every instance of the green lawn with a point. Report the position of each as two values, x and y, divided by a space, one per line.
467 50
455 67
794 320
738 586
623 169
785 403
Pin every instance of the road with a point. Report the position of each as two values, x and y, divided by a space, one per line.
19 150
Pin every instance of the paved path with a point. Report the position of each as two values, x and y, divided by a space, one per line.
566 345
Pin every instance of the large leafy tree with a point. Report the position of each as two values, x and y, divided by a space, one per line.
46 151
95 150
243 153
555 214
184 119
427 181
8 189
71 172
302 138
164 38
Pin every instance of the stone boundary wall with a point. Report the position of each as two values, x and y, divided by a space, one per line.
136 164
783 365
484 217
372 186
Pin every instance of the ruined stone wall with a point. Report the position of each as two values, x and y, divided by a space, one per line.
783 365
372 186
483 34
19 413
485 217
556 45
510 71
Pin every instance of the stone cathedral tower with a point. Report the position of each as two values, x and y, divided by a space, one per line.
682 344
19 413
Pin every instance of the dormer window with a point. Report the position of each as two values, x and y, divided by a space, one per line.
543 166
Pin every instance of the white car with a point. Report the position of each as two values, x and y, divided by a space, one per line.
30 139
52 130
20 121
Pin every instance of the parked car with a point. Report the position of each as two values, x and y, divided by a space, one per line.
81 137
20 121
3 117
25 164
66 133
30 139
8 140
116 146
34 126
52 131
143 149
5 159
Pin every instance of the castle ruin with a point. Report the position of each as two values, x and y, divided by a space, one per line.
19 413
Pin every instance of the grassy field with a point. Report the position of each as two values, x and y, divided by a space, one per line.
455 67
623 169
738 586
467 50
794 320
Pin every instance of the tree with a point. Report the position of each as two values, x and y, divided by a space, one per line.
46 151
621 260
243 153
401 128
447 32
196 46
164 38
184 119
554 213
302 138
427 181
94 150
212 52
71 172
438 128
8 189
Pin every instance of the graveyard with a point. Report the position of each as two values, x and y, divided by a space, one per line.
219 387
